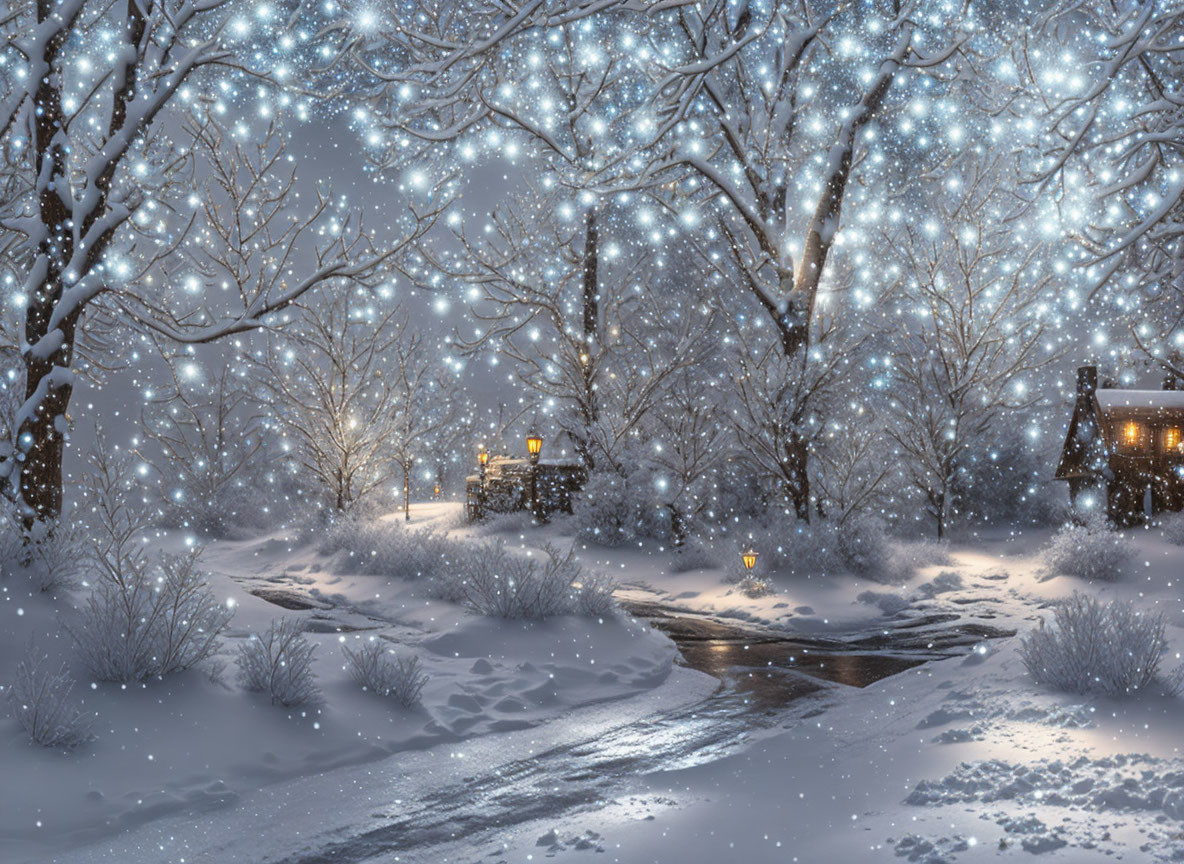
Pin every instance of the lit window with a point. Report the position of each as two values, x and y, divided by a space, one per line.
1171 438
1130 434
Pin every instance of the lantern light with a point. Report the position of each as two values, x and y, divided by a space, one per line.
749 559
534 444
483 456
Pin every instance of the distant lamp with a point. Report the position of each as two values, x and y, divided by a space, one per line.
749 559
483 457
437 490
534 445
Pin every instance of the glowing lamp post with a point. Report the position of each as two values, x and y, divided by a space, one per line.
482 461
534 446
749 559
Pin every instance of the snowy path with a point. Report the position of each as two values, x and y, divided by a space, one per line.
412 802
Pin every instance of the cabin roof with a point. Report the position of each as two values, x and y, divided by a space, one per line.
1140 399
1164 405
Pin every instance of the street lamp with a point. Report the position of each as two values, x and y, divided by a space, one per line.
534 446
482 460
749 559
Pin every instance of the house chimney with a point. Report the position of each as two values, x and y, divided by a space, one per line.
1087 380
1169 382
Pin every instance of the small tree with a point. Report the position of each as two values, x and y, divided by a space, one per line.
973 328
206 444
140 620
338 385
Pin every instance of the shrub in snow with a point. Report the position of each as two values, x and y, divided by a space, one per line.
858 546
754 587
51 556
389 549
594 596
279 663
377 669
493 581
41 703
142 622
613 510
694 554
1090 551
1110 648
1172 525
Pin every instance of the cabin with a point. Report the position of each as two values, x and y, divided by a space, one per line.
1129 443
505 485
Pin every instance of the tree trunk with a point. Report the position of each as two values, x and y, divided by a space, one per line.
591 334
48 380
798 458
407 492
678 526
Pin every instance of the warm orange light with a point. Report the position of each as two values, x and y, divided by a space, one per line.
534 444
437 488
1130 433
483 456
749 559
1171 438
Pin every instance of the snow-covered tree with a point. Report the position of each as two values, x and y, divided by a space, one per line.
1111 157
328 390
205 442
351 387
101 192
738 96
972 330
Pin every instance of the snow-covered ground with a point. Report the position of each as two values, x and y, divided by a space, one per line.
525 748
957 760
196 741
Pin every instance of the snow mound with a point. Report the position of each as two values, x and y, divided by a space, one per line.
925 851
1128 783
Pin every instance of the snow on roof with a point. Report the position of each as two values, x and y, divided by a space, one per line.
1109 399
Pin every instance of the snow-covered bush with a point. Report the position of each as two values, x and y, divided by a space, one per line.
612 510
279 663
142 621
754 587
1090 551
1110 648
41 703
493 581
51 556
1172 526
594 596
389 549
377 669
694 554
859 546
